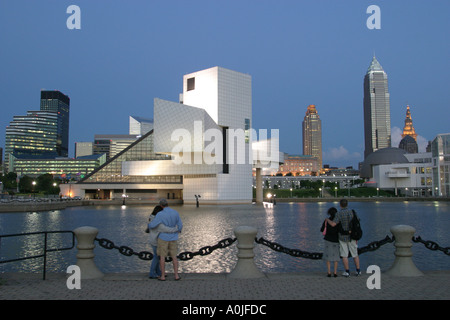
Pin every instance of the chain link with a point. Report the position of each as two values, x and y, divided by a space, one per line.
187 255
145 255
293 252
432 245
375 245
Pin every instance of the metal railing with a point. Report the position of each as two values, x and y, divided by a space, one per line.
45 246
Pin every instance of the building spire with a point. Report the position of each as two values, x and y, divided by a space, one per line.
408 129
375 65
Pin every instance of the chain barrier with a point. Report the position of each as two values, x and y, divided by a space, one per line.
187 255
292 252
145 255
375 245
317 255
432 245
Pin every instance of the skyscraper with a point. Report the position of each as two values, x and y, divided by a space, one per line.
43 133
32 135
377 112
58 102
312 135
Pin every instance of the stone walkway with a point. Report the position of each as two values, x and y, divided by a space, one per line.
287 286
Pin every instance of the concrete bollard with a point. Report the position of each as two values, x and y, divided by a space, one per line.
85 256
245 267
403 264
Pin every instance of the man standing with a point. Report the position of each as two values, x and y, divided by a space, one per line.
346 244
167 242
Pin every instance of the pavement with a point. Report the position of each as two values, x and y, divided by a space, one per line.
433 285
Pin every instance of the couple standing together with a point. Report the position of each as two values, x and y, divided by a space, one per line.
165 224
337 239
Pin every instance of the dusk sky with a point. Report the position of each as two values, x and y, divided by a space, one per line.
298 53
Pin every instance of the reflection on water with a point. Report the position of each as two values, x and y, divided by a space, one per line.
293 225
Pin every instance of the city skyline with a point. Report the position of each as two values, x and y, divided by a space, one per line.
297 52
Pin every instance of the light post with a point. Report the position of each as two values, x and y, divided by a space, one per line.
269 196
320 192
335 192
378 192
291 192
32 190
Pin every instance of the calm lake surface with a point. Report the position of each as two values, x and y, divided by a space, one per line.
293 225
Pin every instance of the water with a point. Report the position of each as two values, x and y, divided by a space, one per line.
293 225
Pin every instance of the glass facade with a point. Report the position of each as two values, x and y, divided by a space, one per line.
440 151
377 112
34 134
64 168
142 149
60 103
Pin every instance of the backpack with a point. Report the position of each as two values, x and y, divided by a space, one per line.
355 227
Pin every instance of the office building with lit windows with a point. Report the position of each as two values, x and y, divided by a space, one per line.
40 133
61 168
440 152
377 114
312 135
34 134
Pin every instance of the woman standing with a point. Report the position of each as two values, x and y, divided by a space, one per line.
331 251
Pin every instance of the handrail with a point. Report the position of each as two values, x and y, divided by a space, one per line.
44 255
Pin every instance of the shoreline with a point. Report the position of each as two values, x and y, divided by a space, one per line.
61 205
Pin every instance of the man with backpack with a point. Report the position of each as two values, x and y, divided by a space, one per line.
346 243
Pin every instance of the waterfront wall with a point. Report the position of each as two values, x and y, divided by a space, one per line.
34 206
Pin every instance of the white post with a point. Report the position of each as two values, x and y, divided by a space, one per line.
403 264
85 256
245 267
259 188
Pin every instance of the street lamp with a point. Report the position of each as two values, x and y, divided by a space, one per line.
34 184
335 192
378 192
291 192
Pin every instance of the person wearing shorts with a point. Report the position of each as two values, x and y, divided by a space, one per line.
346 244
167 242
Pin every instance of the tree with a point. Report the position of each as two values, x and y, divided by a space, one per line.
26 185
